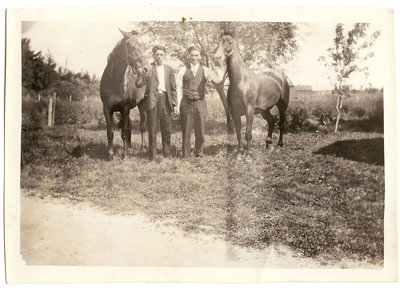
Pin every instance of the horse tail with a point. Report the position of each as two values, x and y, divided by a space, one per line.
285 91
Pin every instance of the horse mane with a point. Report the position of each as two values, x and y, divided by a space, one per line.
115 59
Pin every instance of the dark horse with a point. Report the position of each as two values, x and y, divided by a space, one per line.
250 93
122 87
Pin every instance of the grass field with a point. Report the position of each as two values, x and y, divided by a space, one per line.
322 194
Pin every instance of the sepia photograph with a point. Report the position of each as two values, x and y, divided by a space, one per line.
176 144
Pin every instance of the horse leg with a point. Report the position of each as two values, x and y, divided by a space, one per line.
125 133
266 114
282 117
249 126
108 114
130 133
238 126
143 119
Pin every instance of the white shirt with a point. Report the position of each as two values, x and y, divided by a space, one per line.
161 78
194 68
210 75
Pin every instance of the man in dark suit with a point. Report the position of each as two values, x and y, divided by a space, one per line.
161 101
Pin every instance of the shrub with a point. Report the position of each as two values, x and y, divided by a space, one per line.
323 114
296 117
33 115
78 112
359 111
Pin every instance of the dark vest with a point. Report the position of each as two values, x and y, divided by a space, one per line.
194 88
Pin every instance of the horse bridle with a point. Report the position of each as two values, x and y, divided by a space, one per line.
139 80
229 54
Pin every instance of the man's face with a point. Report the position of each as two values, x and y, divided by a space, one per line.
159 56
194 57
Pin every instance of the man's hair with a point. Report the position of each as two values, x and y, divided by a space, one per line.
194 47
159 47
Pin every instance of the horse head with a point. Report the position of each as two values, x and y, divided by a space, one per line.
224 50
136 57
228 44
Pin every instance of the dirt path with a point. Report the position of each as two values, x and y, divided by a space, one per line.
55 233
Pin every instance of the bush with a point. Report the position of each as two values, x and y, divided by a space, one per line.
296 118
33 114
78 112
323 114
320 110
75 88
359 111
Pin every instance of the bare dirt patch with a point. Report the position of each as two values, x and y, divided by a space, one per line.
56 233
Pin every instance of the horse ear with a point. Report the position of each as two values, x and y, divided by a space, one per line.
125 34
227 28
128 34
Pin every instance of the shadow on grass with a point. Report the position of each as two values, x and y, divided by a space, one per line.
92 150
363 150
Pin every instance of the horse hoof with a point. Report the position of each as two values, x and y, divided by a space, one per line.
267 142
110 157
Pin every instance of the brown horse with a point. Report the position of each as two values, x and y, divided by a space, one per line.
250 93
122 87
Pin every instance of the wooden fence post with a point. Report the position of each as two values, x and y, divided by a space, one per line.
39 97
54 108
50 115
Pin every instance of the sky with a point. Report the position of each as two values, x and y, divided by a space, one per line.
84 46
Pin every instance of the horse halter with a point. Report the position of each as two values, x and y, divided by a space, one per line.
230 53
140 81
134 61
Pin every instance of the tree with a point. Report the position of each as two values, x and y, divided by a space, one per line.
347 56
29 58
41 73
261 44
48 73
38 72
